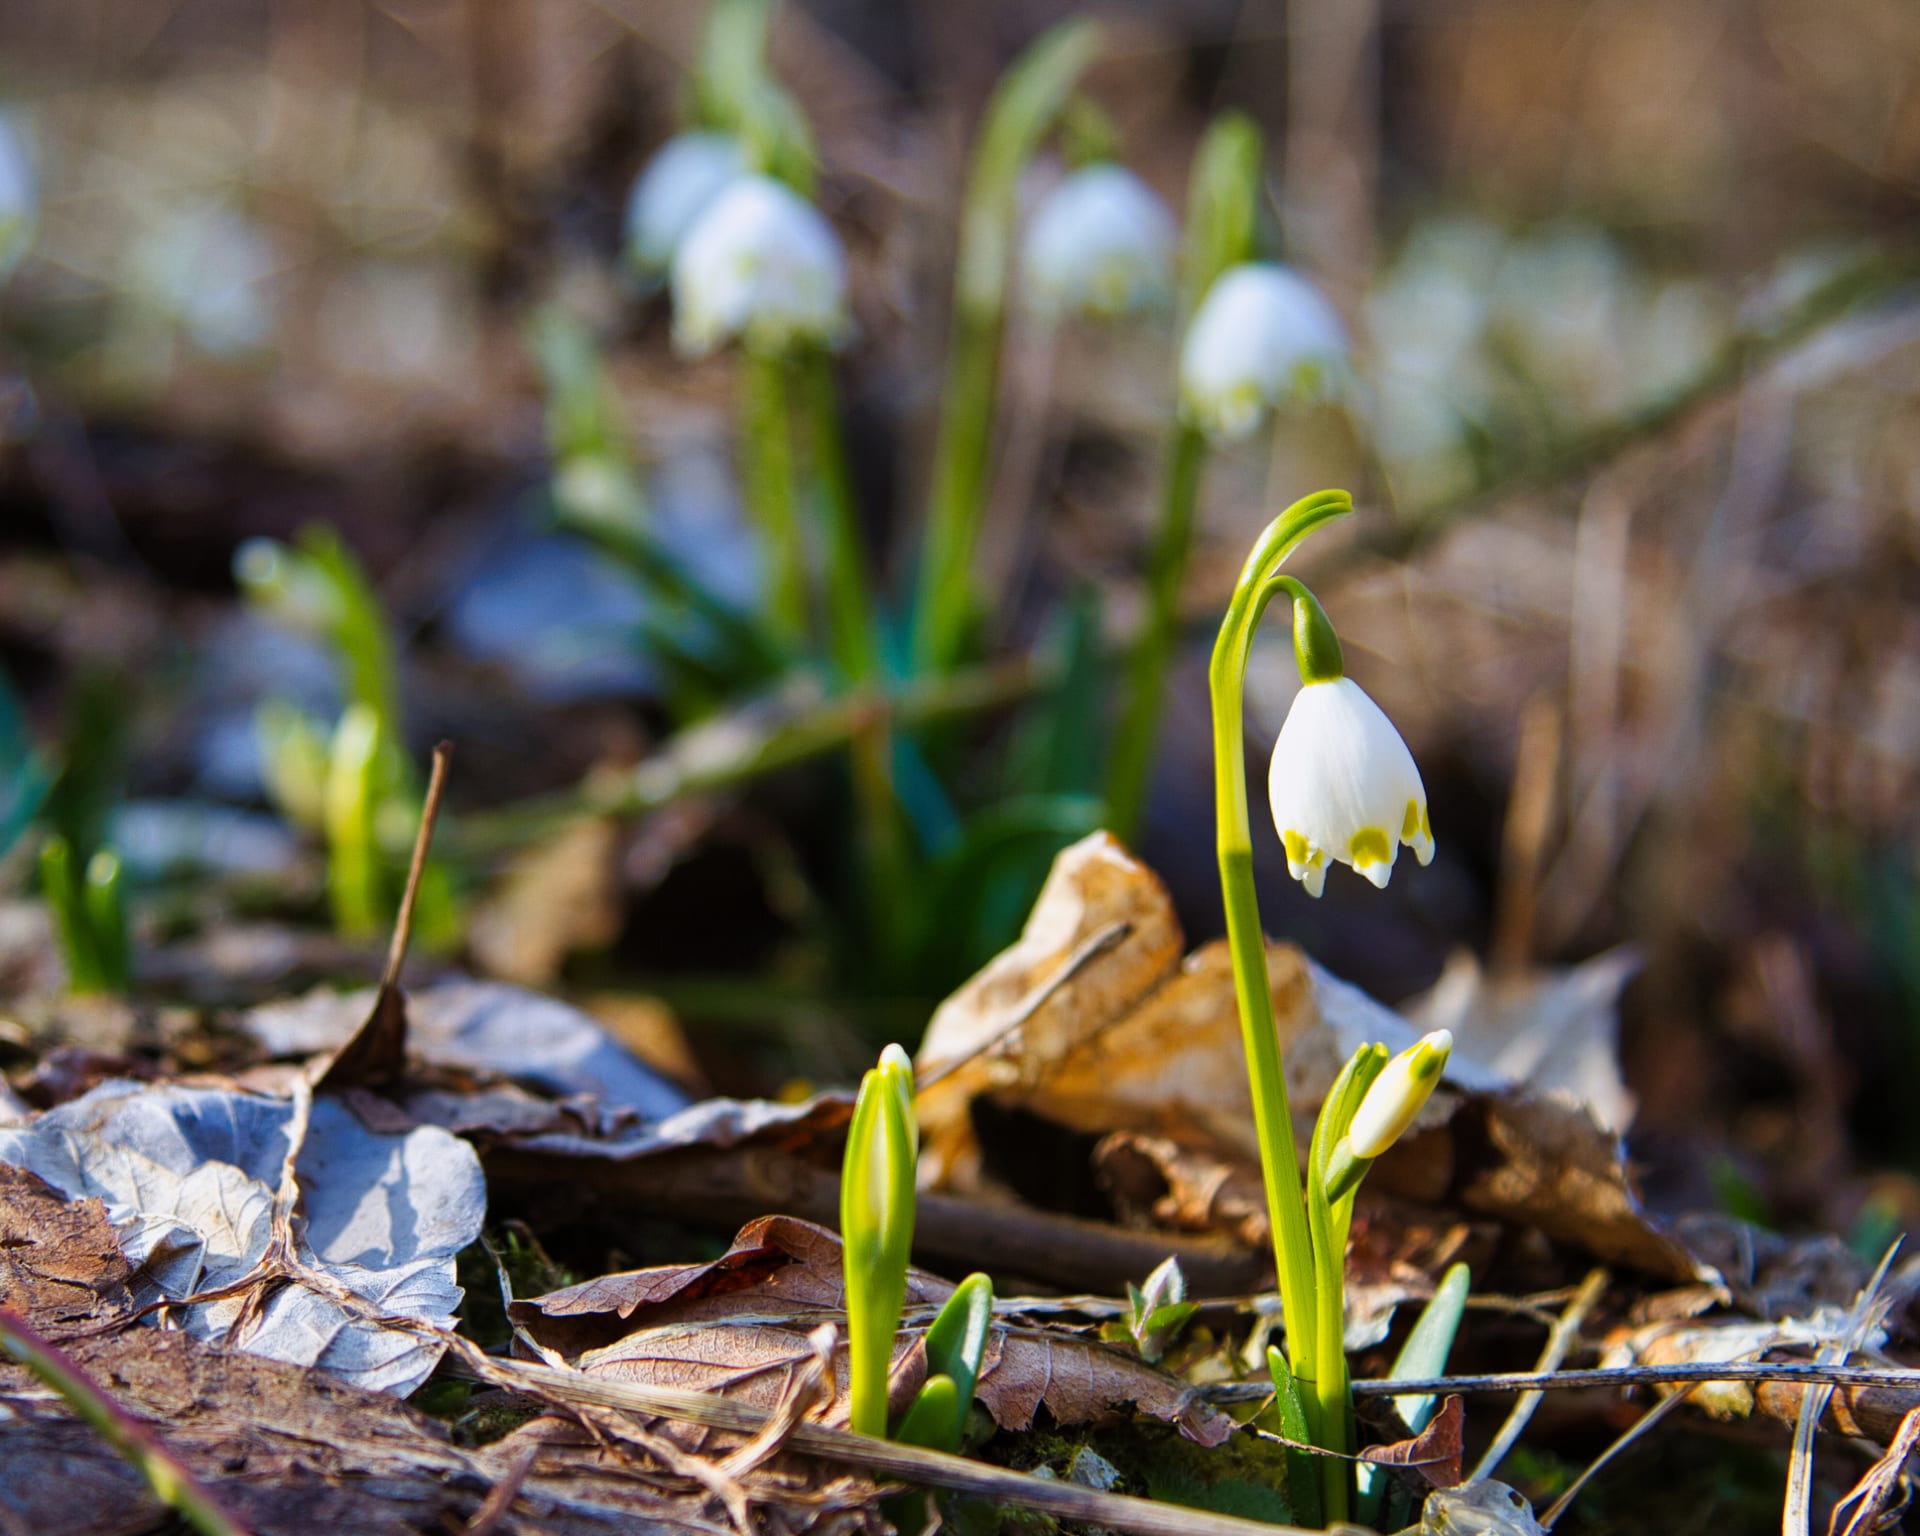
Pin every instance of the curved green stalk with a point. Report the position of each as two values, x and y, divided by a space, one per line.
1024 107
768 485
1272 1116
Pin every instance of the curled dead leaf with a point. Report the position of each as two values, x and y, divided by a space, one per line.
740 1324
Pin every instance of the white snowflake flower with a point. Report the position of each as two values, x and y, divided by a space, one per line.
1100 246
1344 787
684 176
759 265
1262 336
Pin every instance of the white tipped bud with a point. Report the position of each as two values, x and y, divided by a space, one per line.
1398 1094
1100 246
760 265
684 176
1262 336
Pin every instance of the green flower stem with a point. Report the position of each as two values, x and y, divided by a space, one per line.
1140 726
851 630
1331 1391
770 488
354 886
1272 1116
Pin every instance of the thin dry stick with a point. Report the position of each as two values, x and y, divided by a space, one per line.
487 1518
423 839
168 1477
1559 1341
906 1463
1646 1422
1805 1373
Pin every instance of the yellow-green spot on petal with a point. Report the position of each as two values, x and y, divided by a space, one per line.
1369 846
1299 850
1410 827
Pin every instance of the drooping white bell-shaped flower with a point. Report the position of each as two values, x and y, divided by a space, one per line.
1262 336
686 174
762 266
19 195
1100 246
1344 787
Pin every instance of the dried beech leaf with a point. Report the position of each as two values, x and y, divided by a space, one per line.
1435 1452
1144 1049
483 1027
188 1176
294 1451
60 1267
739 1325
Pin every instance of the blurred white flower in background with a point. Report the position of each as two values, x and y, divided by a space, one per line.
1263 336
19 194
687 173
762 266
1100 246
207 269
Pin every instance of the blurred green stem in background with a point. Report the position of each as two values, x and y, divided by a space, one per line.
771 490
852 633
1223 205
89 915
1025 105
735 91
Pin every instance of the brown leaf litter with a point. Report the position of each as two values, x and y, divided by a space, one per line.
292 1450
742 1325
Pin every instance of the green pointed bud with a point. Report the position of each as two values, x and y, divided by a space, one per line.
876 1229
1398 1094
106 914
1316 648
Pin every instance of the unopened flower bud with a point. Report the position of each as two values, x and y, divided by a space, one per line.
1398 1094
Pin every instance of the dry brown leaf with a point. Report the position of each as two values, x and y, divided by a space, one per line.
292 1450
740 1325
60 1266
1144 1048
1435 1452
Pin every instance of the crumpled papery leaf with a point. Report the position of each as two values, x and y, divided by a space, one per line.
739 1325
484 1027
188 1178
1143 1047
1558 1032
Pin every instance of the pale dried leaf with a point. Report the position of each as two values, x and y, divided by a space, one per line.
187 1177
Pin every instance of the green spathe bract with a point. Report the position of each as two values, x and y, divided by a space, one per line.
876 1230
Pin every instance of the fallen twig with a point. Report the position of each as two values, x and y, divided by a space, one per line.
906 1463
1565 1331
171 1482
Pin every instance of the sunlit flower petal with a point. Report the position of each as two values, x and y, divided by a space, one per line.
759 265
686 175
1262 336
1344 787
1100 246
